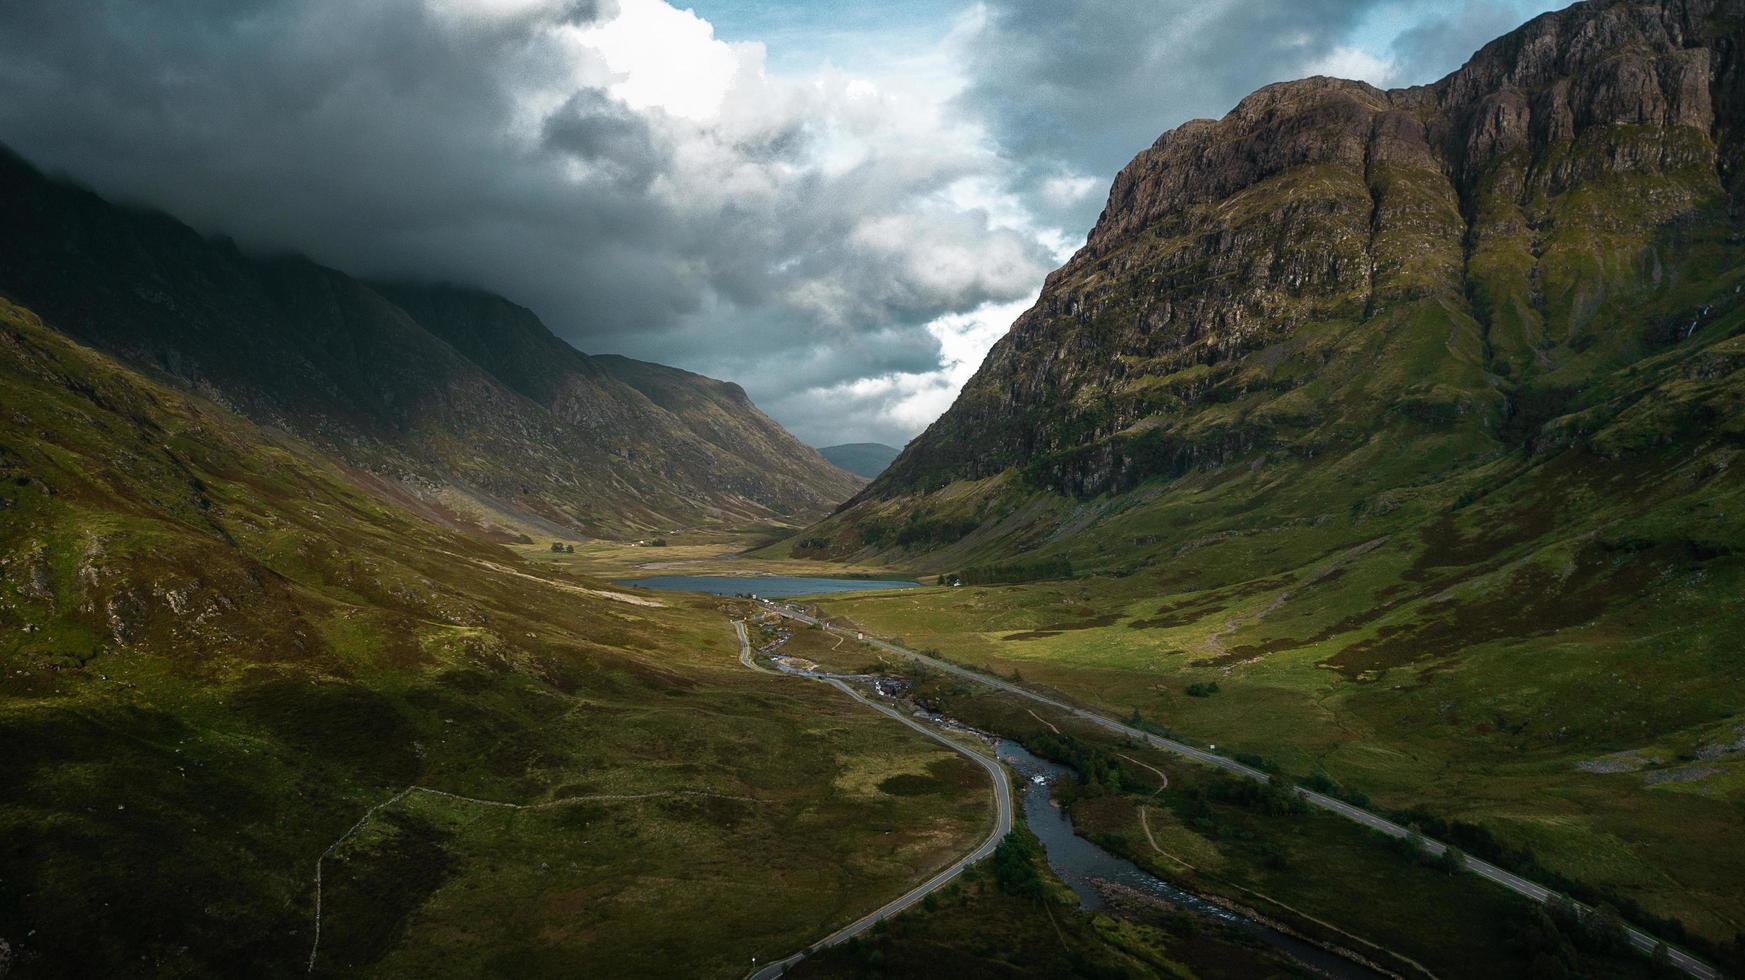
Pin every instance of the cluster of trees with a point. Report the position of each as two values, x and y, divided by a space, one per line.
559 548
927 530
1275 797
919 529
1015 865
1412 848
1553 935
1480 842
1322 783
1099 772
1200 689
1059 567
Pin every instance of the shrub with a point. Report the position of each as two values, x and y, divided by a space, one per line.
1006 574
1275 797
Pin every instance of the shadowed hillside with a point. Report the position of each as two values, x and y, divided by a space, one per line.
225 660
456 396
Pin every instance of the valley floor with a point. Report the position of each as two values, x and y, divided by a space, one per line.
1650 818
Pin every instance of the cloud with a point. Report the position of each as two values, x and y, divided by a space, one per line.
643 185
1443 41
1080 87
1064 191
845 239
892 406
1346 61
1088 84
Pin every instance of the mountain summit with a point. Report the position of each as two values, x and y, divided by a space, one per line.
1538 252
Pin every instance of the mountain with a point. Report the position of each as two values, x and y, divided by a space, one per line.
1535 257
867 459
453 395
1414 419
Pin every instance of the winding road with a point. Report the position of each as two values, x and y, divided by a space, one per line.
1643 941
1002 786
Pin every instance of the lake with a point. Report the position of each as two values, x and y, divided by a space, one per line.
765 586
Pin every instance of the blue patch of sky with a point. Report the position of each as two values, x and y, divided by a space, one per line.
801 35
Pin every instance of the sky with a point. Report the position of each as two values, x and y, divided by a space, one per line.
841 206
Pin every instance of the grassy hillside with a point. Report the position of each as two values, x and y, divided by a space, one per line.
222 659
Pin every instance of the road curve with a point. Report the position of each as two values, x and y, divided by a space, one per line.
1002 785
1643 941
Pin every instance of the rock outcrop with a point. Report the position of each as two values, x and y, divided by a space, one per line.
1330 257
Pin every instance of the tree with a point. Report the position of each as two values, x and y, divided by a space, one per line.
1413 843
1015 865
1606 931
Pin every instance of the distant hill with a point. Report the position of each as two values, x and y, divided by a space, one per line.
457 395
868 459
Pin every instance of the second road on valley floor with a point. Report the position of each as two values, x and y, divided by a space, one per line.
1643 941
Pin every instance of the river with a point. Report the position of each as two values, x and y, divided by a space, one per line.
1081 864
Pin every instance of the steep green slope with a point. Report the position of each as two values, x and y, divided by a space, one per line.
721 414
432 388
869 459
223 660
1413 418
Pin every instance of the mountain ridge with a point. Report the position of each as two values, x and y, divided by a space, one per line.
867 459
450 391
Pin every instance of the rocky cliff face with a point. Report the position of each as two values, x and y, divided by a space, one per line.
439 389
1331 259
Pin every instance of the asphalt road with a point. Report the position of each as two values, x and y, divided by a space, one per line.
1002 818
1484 869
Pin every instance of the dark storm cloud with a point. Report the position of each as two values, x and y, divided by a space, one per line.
1092 83
1082 87
373 136
1442 43
452 139
594 127
497 143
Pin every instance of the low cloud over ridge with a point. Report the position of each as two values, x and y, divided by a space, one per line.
844 241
